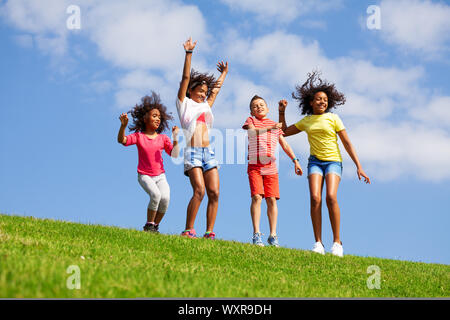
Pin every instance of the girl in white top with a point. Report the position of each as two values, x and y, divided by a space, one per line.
196 96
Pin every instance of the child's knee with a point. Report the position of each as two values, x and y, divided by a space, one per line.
199 193
213 194
165 199
331 199
257 198
155 196
315 200
271 201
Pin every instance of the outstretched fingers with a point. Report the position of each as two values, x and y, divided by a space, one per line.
221 66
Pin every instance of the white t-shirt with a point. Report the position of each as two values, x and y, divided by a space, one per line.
189 111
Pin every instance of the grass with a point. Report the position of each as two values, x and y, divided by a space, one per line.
121 263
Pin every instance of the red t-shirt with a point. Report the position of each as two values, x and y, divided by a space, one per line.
261 147
150 152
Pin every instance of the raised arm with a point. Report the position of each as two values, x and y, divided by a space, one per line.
188 47
121 138
352 153
223 69
288 131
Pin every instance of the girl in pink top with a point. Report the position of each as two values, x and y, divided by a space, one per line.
150 118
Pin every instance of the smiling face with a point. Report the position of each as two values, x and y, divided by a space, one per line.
259 109
153 120
320 103
198 94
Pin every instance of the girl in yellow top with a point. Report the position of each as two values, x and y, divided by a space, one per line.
316 99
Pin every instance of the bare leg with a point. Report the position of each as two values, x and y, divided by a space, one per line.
158 217
151 214
198 188
272 214
212 184
332 181
255 211
315 190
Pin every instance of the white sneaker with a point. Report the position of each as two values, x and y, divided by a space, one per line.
337 249
318 248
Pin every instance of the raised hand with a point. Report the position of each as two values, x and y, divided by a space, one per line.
282 104
175 130
222 67
189 45
124 119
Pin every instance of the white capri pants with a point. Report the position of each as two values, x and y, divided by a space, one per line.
158 189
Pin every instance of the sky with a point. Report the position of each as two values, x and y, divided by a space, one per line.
66 75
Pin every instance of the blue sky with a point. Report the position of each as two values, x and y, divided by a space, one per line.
63 90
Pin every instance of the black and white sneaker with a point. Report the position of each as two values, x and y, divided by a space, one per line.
151 227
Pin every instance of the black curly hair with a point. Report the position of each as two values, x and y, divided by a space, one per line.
305 93
140 111
198 78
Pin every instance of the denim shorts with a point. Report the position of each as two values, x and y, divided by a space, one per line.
323 167
195 157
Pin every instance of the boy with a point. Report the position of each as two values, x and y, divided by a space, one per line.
263 136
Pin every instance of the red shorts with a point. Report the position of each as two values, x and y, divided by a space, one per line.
265 185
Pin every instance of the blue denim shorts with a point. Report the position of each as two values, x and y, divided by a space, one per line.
195 157
323 167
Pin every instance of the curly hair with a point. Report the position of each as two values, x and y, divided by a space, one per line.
305 93
198 78
141 111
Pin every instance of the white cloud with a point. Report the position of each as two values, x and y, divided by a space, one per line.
396 150
136 84
436 113
45 19
285 59
282 10
231 107
144 39
420 25
148 34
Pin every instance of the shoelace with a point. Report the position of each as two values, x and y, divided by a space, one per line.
256 234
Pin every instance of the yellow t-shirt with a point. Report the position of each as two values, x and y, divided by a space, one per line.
321 130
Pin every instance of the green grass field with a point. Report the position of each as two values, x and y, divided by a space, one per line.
35 255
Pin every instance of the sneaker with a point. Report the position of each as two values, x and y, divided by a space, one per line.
190 233
318 248
273 241
337 249
151 227
209 235
257 239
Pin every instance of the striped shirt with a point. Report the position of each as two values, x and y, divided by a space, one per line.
262 147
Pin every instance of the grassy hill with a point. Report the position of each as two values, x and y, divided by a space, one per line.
35 255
